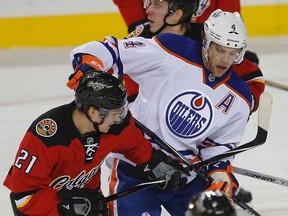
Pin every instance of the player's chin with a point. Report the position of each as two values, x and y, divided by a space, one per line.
153 28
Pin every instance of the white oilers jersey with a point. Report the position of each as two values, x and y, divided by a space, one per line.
179 99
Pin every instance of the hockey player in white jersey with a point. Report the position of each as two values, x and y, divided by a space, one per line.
189 96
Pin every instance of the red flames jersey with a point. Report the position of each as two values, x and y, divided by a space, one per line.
53 155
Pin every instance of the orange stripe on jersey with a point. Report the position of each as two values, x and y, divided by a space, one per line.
112 185
208 144
223 81
114 44
196 159
174 54
93 61
203 75
240 95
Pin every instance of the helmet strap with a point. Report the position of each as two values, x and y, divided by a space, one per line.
95 124
163 26
166 24
205 46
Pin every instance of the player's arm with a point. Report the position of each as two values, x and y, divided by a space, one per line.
151 163
253 76
87 57
116 56
35 202
234 5
220 172
81 202
224 139
29 179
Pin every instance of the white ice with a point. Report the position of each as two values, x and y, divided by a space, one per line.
32 81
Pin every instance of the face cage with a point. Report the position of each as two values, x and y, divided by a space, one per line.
104 113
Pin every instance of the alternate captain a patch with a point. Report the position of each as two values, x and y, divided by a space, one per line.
189 114
46 127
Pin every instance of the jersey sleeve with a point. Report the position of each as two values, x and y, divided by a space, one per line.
253 76
131 86
135 146
29 179
118 56
234 5
207 7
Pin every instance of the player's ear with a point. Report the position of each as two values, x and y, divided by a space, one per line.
92 111
178 15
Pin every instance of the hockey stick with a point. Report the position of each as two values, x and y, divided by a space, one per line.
264 114
265 108
276 85
245 207
260 176
168 147
136 188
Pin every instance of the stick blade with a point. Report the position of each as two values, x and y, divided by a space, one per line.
265 110
264 115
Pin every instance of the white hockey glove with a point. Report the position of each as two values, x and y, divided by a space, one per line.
84 202
223 178
162 166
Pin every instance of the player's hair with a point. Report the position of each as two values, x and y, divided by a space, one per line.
188 6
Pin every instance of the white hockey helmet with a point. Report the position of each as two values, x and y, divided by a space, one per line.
226 29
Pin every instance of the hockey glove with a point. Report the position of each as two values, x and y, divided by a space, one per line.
78 74
81 202
162 166
223 178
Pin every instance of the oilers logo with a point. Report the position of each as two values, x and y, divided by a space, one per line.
189 114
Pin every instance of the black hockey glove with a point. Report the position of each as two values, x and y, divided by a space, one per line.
84 202
162 166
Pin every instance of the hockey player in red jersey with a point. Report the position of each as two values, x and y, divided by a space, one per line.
189 96
57 167
134 15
